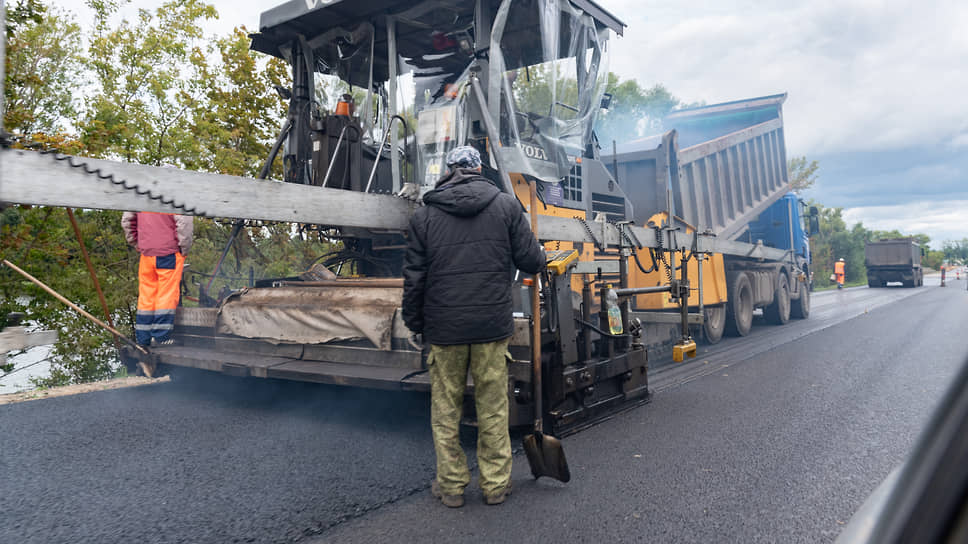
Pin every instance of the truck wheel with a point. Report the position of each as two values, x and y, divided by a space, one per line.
873 283
739 306
714 323
800 308
778 313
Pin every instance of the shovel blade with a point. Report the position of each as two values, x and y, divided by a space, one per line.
546 457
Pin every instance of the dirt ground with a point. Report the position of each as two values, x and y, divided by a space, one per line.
63 391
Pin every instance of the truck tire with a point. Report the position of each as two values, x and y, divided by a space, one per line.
714 323
872 282
800 308
778 313
739 305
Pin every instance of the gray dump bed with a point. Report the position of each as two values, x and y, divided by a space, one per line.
898 252
726 162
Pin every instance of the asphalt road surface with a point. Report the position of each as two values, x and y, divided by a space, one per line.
777 437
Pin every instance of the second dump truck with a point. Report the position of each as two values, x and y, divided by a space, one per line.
894 260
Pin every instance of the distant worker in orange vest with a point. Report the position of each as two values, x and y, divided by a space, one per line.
163 240
839 273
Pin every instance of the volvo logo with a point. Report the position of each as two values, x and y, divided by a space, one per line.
534 152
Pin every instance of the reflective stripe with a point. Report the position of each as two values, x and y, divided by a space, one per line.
156 312
154 327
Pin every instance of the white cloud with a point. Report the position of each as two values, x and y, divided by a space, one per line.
939 220
861 75
959 141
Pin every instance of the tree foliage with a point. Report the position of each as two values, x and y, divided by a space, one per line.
803 173
836 241
933 259
955 250
240 112
149 80
43 57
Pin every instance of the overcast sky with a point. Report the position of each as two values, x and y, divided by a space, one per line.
877 93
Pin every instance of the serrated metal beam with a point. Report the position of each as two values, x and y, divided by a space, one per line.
29 177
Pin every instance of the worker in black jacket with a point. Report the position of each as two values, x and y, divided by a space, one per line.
464 246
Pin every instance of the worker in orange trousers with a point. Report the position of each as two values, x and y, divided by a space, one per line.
839 273
163 240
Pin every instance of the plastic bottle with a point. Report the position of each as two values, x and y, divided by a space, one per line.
614 313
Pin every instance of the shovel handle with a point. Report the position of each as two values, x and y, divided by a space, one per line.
535 321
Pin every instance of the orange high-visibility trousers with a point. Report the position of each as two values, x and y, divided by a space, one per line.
158 294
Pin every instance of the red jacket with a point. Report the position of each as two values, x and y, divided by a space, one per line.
158 234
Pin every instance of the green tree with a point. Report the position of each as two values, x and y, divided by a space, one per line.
803 173
836 241
148 78
237 121
933 259
922 239
43 53
955 250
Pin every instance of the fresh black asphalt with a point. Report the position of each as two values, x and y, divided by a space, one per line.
778 437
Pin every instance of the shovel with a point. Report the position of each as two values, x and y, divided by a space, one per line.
545 454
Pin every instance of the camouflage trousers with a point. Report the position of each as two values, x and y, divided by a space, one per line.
448 378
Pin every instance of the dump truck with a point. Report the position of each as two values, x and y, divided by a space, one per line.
894 260
522 82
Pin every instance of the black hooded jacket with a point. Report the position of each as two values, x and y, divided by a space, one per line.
464 245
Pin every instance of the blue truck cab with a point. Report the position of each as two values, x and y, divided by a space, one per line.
781 224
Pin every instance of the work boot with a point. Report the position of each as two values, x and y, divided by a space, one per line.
498 496
450 501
